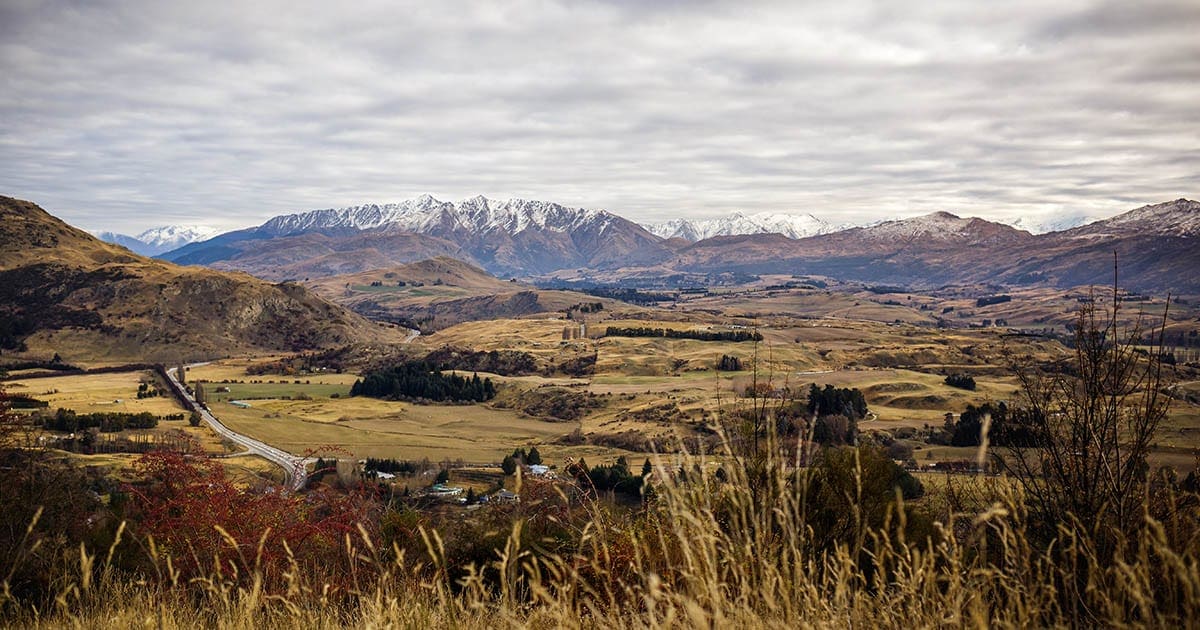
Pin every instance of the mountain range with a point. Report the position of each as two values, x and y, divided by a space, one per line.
537 239
63 290
158 240
514 237
1156 248
789 225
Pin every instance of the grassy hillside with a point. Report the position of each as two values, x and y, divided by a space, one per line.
441 292
63 291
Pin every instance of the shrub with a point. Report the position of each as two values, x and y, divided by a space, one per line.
961 381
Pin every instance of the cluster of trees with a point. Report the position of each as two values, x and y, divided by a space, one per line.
145 390
729 363
503 362
68 421
1007 426
586 307
393 466
520 457
700 335
421 380
848 402
333 360
616 477
961 381
837 412
19 401
91 442
993 299
633 296
828 416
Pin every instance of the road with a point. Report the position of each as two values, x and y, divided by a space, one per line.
294 468
294 471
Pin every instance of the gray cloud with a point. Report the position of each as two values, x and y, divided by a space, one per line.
123 115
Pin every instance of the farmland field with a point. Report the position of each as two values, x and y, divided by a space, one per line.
89 393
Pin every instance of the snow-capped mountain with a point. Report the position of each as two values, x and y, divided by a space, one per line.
1046 224
426 215
159 239
508 237
789 225
938 226
1174 218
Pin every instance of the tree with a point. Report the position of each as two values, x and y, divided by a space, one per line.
729 363
443 476
961 381
1092 424
534 458
508 465
647 468
194 419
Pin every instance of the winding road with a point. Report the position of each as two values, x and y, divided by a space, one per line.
293 466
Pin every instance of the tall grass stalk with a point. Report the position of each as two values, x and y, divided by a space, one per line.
737 552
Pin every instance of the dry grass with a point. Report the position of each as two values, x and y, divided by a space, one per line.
735 554
97 392
366 427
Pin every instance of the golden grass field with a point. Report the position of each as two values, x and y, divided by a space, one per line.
899 368
810 336
97 392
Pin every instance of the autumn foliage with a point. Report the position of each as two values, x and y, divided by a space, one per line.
198 516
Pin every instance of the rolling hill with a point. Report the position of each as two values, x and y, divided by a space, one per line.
441 292
64 291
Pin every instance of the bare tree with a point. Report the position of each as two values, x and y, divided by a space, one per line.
1093 423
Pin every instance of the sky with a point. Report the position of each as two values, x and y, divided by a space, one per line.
131 114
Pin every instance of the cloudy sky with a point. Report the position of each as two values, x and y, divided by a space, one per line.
124 115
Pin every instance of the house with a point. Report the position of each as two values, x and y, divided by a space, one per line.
442 491
505 496
538 470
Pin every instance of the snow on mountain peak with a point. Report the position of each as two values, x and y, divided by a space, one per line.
176 235
425 214
157 240
938 225
1174 218
735 223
